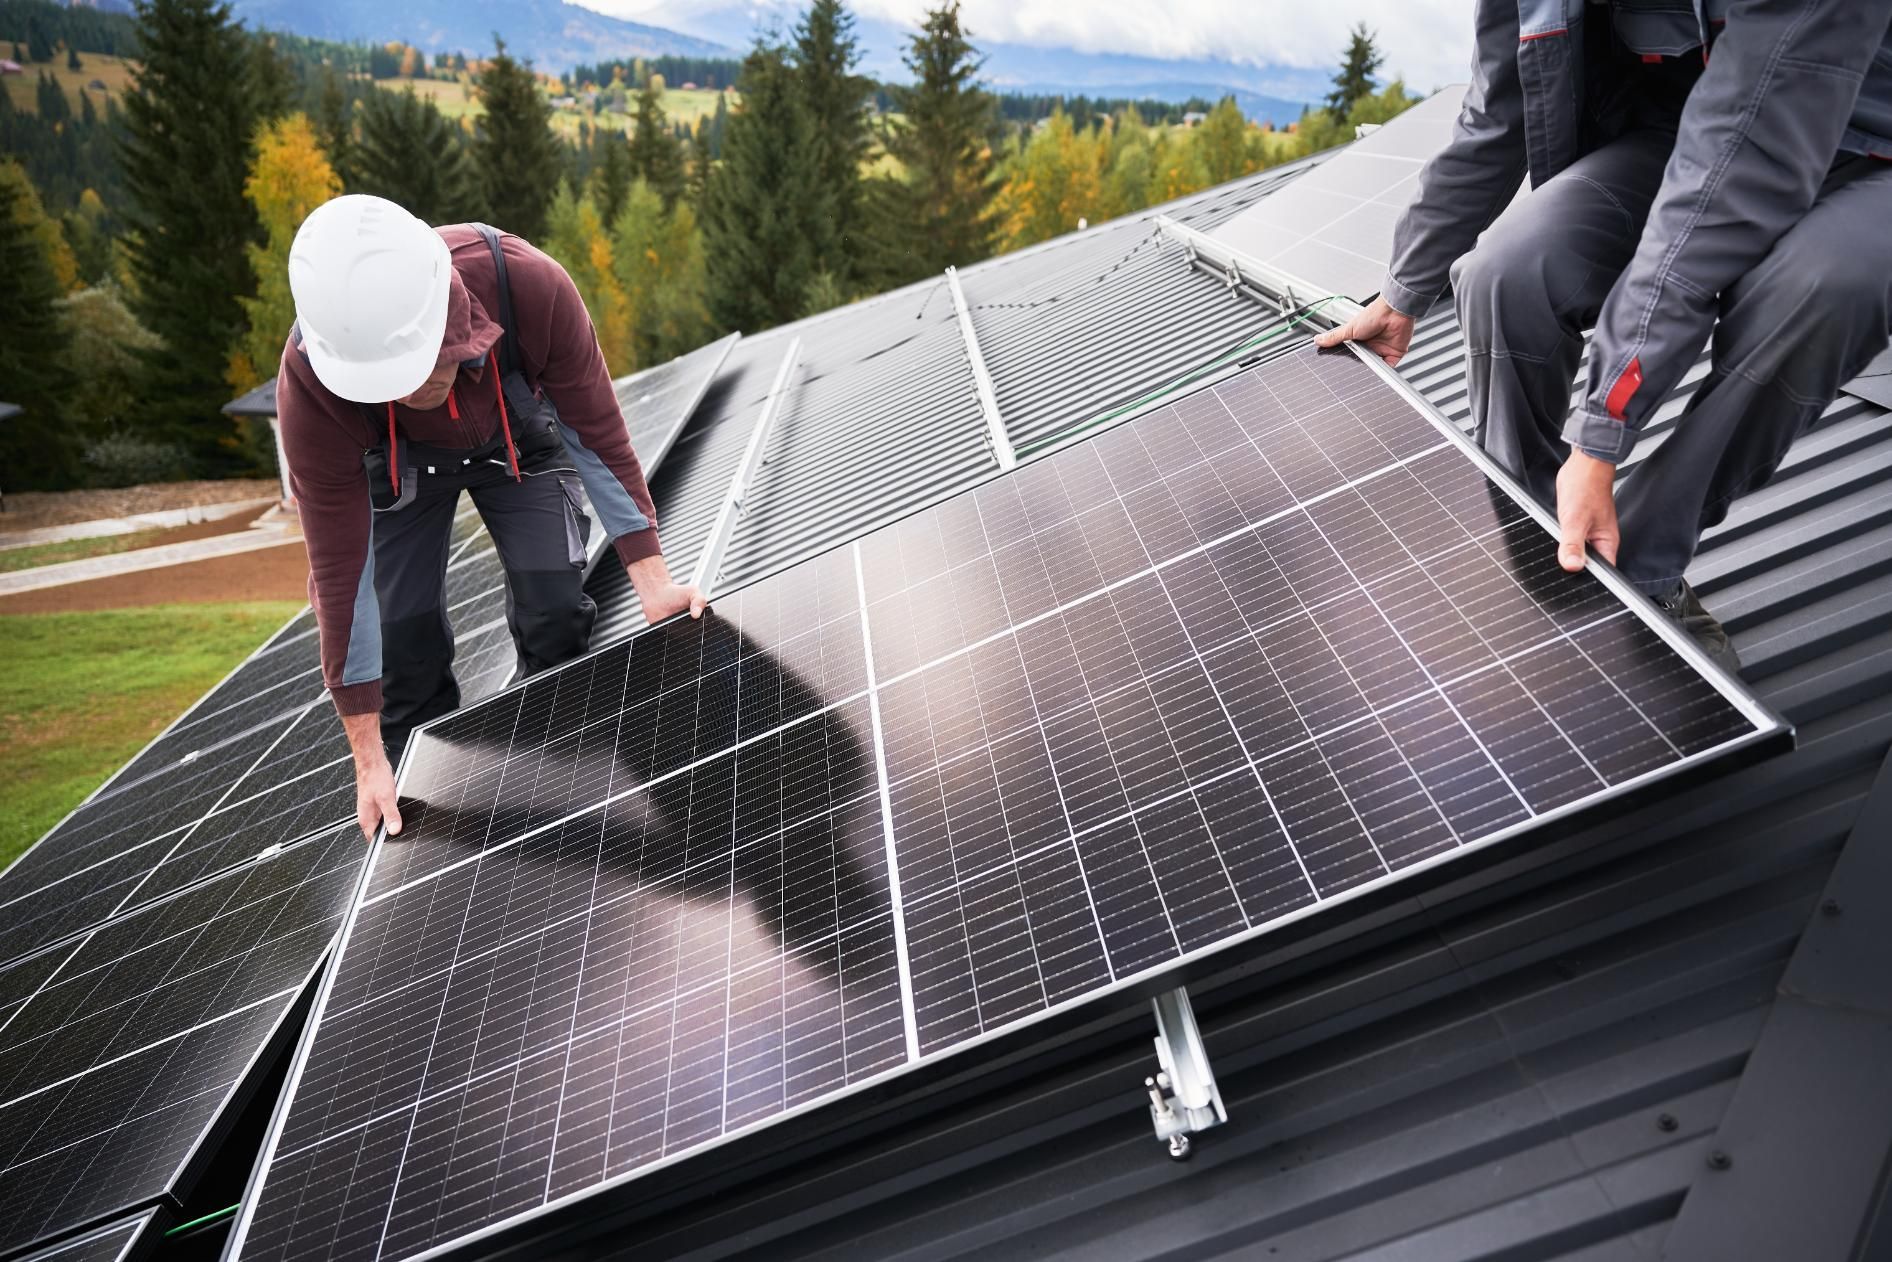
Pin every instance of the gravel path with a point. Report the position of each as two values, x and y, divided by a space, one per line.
30 510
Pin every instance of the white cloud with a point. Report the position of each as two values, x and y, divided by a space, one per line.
1428 42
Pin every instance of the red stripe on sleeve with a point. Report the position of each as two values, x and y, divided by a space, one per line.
1624 389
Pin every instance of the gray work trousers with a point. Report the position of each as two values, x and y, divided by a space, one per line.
540 532
1803 322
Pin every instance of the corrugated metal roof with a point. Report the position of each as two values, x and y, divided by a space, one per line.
1117 313
1535 1064
881 418
881 413
694 477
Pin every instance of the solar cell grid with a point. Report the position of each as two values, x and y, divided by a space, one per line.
106 846
119 1049
115 1243
1157 693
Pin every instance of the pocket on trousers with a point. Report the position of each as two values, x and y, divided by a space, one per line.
1658 28
577 525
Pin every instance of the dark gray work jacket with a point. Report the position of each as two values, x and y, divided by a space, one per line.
1787 86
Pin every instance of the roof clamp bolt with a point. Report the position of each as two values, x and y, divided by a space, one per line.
1667 1122
1719 1160
1183 1096
1831 908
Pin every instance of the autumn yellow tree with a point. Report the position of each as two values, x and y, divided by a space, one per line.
30 213
1053 182
576 237
289 177
413 65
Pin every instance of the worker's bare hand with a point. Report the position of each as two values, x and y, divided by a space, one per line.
374 797
1586 510
1379 328
662 595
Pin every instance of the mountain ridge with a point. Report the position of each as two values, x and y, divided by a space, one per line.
552 34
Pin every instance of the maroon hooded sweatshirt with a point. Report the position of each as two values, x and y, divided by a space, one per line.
324 438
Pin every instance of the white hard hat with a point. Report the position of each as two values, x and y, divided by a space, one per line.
371 284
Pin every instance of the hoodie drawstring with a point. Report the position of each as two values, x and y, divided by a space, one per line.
453 410
394 452
505 425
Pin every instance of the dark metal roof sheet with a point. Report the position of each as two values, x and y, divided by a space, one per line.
258 402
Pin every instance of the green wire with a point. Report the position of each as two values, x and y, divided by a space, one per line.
1291 323
216 1216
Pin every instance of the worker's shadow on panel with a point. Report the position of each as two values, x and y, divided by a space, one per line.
787 820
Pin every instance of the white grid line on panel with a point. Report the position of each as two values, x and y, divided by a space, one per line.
907 1016
406 1144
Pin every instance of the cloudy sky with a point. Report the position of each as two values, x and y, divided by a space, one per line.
1426 41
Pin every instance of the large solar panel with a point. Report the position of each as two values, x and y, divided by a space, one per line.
1332 228
123 1241
121 1048
1223 668
658 402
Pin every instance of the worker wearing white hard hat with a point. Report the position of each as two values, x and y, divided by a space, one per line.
426 362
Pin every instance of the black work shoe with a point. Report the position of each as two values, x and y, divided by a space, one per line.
1686 609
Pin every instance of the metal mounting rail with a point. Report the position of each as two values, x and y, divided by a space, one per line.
1184 1099
1000 441
710 564
1241 270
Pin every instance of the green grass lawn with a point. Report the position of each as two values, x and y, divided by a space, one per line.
114 72
80 693
37 554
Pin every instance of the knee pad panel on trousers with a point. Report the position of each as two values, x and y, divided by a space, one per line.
551 617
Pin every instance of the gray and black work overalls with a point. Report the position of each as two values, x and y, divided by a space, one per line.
527 491
1689 177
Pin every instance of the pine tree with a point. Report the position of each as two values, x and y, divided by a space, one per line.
335 126
611 174
35 447
39 45
518 157
764 207
50 99
413 155
656 157
89 234
718 126
1355 79
188 128
273 83
72 59
938 213
834 98
289 178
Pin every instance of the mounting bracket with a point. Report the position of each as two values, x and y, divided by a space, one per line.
1184 1099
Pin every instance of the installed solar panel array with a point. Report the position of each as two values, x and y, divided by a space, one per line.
121 1242
1149 698
134 937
